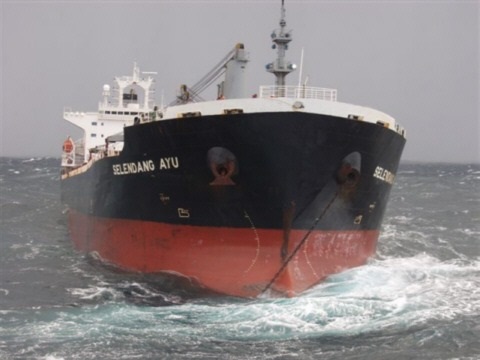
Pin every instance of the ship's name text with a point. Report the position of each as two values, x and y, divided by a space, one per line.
145 166
384 175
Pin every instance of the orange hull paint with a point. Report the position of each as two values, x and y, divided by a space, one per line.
233 261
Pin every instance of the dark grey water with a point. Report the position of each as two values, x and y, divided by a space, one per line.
419 298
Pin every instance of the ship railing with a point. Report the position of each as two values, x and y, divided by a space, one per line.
67 111
126 114
76 157
298 92
81 164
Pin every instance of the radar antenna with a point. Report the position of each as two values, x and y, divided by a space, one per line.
280 38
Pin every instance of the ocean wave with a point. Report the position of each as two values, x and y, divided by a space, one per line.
408 295
384 293
129 292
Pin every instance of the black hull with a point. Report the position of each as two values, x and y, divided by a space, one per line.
288 167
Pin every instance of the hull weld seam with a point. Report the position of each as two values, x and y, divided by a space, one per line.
257 239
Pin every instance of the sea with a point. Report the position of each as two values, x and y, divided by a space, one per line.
417 298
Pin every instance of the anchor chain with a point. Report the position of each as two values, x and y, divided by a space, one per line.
300 244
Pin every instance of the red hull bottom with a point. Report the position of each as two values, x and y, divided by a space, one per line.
233 261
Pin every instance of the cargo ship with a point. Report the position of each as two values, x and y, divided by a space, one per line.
245 194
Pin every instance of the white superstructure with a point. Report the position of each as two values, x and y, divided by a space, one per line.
119 107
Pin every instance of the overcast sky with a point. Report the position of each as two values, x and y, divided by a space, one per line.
417 61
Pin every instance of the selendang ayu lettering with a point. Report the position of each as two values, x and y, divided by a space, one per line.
143 166
384 175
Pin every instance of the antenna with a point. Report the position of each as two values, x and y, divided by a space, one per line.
301 69
306 80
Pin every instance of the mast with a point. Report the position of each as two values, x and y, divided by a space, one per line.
280 38
125 81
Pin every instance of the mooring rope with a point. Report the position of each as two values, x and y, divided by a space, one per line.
300 244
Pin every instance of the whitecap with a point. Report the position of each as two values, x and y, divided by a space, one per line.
95 293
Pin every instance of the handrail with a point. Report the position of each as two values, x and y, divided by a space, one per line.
298 92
